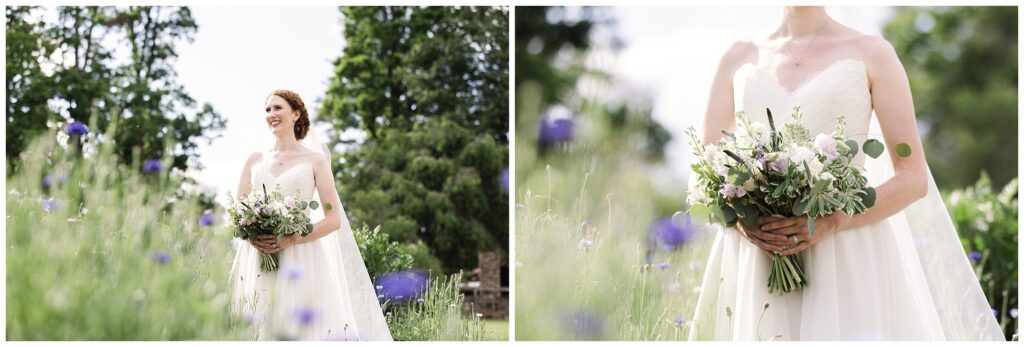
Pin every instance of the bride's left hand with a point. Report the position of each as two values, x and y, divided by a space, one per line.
796 229
272 246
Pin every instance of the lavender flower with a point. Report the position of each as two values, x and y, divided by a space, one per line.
662 265
206 219
668 235
779 165
1013 312
401 285
76 128
420 300
292 272
162 258
47 181
975 256
732 191
152 165
50 204
678 321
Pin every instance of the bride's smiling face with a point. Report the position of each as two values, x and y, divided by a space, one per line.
280 116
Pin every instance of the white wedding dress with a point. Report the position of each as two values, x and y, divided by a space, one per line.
319 292
895 279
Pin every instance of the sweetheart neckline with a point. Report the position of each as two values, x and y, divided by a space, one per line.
278 177
810 78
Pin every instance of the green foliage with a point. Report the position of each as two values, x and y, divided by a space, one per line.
380 255
438 317
117 257
539 39
82 80
962 65
428 85
986 220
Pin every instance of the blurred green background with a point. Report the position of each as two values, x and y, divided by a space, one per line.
596 172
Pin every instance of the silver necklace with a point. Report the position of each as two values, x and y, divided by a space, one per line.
798 60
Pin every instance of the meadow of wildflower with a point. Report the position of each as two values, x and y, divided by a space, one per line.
102 251
605 252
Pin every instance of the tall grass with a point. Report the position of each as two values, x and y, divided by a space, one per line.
109 254
582 218
438 317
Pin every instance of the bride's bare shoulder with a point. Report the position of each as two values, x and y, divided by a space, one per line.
254 158
740 52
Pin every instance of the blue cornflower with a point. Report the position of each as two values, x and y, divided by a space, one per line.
305 316
975 256
662 265
668 236
50 204
420 300
292 272
206 219
162 257
401 285
76 128
504 180
152 165
556 125
586 325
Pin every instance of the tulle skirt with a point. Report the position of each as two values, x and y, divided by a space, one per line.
861 286
302 300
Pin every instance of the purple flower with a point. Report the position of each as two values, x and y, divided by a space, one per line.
584 244
679 321
152 165
47 181
401 285
662 265
779 165
1013 312
732 191
585 325
995 312
975 256
827 146
50 204
76 128
504 180
292 272
162 257
206 219
420 300
556 125
668 235
305 316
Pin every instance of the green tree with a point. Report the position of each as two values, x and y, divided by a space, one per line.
962 64
63 70
428 87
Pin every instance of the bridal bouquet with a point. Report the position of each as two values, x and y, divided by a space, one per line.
764 171
270 214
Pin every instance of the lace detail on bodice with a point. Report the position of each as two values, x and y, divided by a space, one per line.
296 179
840 89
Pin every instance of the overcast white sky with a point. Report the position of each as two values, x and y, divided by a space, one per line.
239 55
672 54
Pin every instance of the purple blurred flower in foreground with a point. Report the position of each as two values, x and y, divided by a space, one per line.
662 265
420 300
152 165
206 219
305 316
162 257
679 321
76 128
556 125
584 244
50 204
47 181
504 180
585 325
402 285
668 236
292 272
1013 312
975 256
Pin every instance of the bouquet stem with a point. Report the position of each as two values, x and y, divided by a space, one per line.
268 262
787 274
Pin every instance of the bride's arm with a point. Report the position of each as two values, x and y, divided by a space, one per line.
328 195
894 107
244 181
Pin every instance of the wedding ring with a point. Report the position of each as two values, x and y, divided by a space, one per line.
792 239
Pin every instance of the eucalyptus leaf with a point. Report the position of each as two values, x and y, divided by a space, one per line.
869 197
853 146
810 226
873 148
750 219
903 150
700 213
313 205
728 214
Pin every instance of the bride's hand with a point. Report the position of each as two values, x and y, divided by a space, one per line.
769 242
797 232
264 243
273 246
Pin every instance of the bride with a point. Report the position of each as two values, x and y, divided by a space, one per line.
321 289
896 271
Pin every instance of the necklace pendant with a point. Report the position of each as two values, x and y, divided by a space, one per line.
797 63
